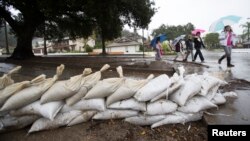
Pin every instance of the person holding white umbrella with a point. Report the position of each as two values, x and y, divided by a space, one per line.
178 47
226 40
178 50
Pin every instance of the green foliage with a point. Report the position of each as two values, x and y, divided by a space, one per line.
146 48
246 31
98 45
88 48
111 15
74 18
166 47
11 38
141 48
212 40
173 31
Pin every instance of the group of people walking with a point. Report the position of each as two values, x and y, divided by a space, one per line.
195 42
191 43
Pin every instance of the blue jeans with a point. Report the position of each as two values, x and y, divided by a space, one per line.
228 50
198 52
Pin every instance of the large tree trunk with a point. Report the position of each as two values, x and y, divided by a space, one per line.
103 45
23 49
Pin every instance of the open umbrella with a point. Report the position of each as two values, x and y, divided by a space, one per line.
197 30
177 39
161 37
220 23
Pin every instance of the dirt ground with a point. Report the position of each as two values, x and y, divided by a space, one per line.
111 130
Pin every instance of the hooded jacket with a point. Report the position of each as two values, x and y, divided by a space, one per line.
223 38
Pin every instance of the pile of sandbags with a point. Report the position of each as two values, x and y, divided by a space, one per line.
6 79
49 104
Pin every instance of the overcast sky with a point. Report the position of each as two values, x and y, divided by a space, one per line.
202 13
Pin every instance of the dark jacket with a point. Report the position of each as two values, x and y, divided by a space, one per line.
189 44
178 47
198 44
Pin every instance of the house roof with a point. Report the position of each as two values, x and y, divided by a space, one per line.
123 42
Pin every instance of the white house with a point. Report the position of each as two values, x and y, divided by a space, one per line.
79 43
124 45
66 44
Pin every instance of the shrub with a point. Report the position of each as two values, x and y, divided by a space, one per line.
88 48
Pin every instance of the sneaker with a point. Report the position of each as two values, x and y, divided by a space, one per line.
202 61
193 60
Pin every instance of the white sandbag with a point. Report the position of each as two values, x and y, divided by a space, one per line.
161 107
3 113
84 105
115 114
230 94
181 71
176 82
197 104
191 87
77 97
64 89
144 120
153 88
106 87
7 121
87 83
189 116
218 99
48 110
62 119
190 76
208 82
173 88
84 117
176 86
6 79
128 89
92 79
163 95
169 119
11 89
129 104
12 123
212 92
175 78
31 94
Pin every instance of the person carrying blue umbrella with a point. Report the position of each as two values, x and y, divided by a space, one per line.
156 44
158 48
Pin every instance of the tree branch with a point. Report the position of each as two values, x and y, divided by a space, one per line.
7 16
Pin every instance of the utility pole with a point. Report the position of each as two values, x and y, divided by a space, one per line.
6 34
6 38
248 30
143 43
44 40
